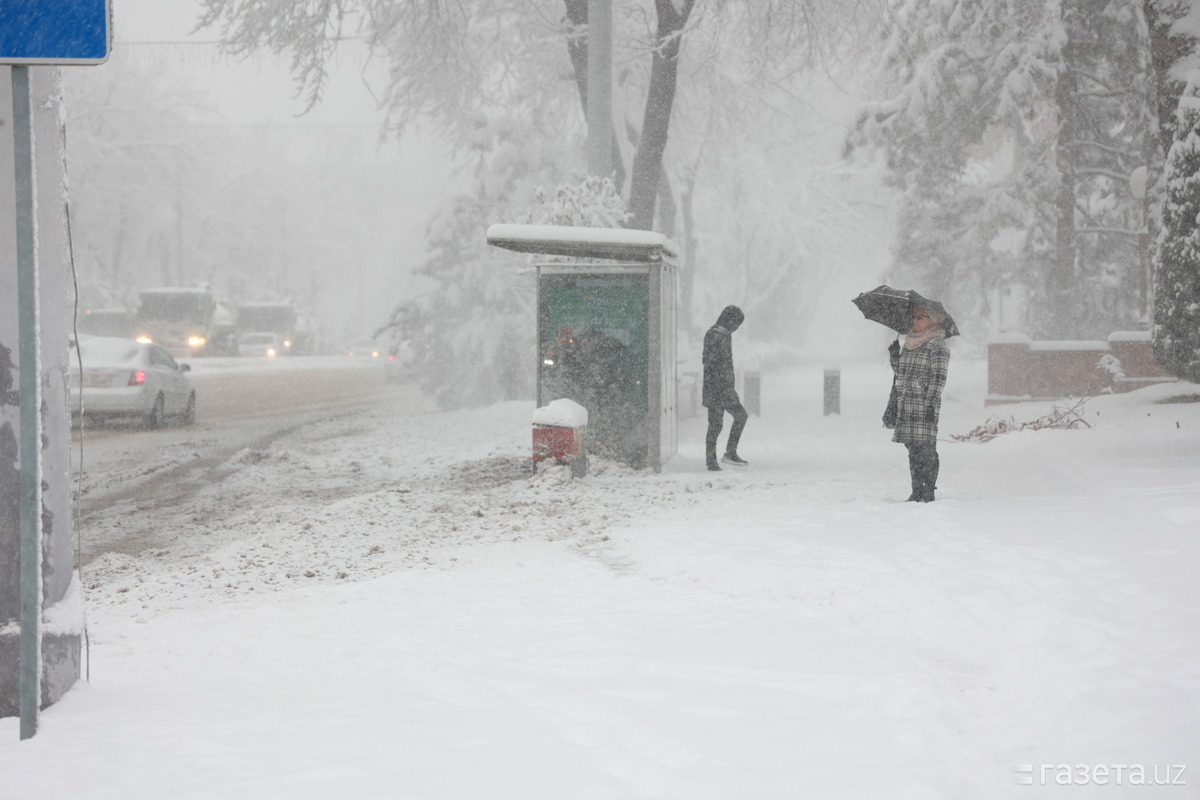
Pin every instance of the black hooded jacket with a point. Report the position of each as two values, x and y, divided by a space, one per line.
719 391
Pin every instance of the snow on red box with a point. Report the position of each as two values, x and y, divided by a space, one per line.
558 435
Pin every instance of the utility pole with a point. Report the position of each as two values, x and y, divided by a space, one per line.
599 94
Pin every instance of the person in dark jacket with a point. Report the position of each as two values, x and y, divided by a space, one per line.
920 378
720 395
560 367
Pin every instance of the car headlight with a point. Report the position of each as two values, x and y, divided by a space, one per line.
196 341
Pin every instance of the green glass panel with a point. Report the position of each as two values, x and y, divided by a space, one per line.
594 338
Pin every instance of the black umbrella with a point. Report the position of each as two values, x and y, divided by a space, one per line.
894 308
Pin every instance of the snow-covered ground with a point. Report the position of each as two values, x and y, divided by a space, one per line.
391 606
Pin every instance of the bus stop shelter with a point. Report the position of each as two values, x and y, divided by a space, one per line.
606 312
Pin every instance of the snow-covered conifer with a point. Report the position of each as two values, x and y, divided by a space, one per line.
1177 257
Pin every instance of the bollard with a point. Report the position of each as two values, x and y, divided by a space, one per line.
753 386
689 395
833 391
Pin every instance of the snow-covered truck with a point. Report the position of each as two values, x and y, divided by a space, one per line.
186 321
279 318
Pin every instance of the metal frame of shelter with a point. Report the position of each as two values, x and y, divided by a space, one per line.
579 251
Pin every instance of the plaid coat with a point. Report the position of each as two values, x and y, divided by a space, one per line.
920 378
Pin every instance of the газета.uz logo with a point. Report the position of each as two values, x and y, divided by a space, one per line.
1101 774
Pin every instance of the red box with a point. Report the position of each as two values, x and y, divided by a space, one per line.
560 444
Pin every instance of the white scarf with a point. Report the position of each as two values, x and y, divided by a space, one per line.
914 340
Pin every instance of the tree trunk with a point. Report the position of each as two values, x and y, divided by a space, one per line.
577 15
687 274
667 209
1060 309
1061 312
647 162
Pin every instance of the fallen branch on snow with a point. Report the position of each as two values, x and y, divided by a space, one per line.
1066 418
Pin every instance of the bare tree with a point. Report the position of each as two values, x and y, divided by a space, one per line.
450 62
504 83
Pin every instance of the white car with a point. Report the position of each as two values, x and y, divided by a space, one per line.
362 348
261 344
124 378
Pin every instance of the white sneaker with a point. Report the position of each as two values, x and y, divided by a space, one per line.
735 459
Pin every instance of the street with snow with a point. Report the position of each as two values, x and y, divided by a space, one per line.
389 604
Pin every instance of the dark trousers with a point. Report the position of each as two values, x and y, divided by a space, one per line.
716 420
923 465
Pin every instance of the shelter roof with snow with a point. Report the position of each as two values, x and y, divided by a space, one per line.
621 244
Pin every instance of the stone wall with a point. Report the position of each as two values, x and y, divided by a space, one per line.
1020 368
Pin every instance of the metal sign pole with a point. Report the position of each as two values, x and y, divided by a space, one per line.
51 33
31 405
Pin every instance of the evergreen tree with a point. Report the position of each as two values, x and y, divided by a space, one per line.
1173 53
1104 125
1172 41
1177 257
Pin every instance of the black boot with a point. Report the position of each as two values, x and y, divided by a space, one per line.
932 467
914 475
923 470
927 468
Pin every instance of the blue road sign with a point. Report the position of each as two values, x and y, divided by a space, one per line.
54 31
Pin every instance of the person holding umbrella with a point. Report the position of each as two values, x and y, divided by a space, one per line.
920 375
719 394
920 378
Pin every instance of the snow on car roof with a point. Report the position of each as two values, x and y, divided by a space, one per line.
100 350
